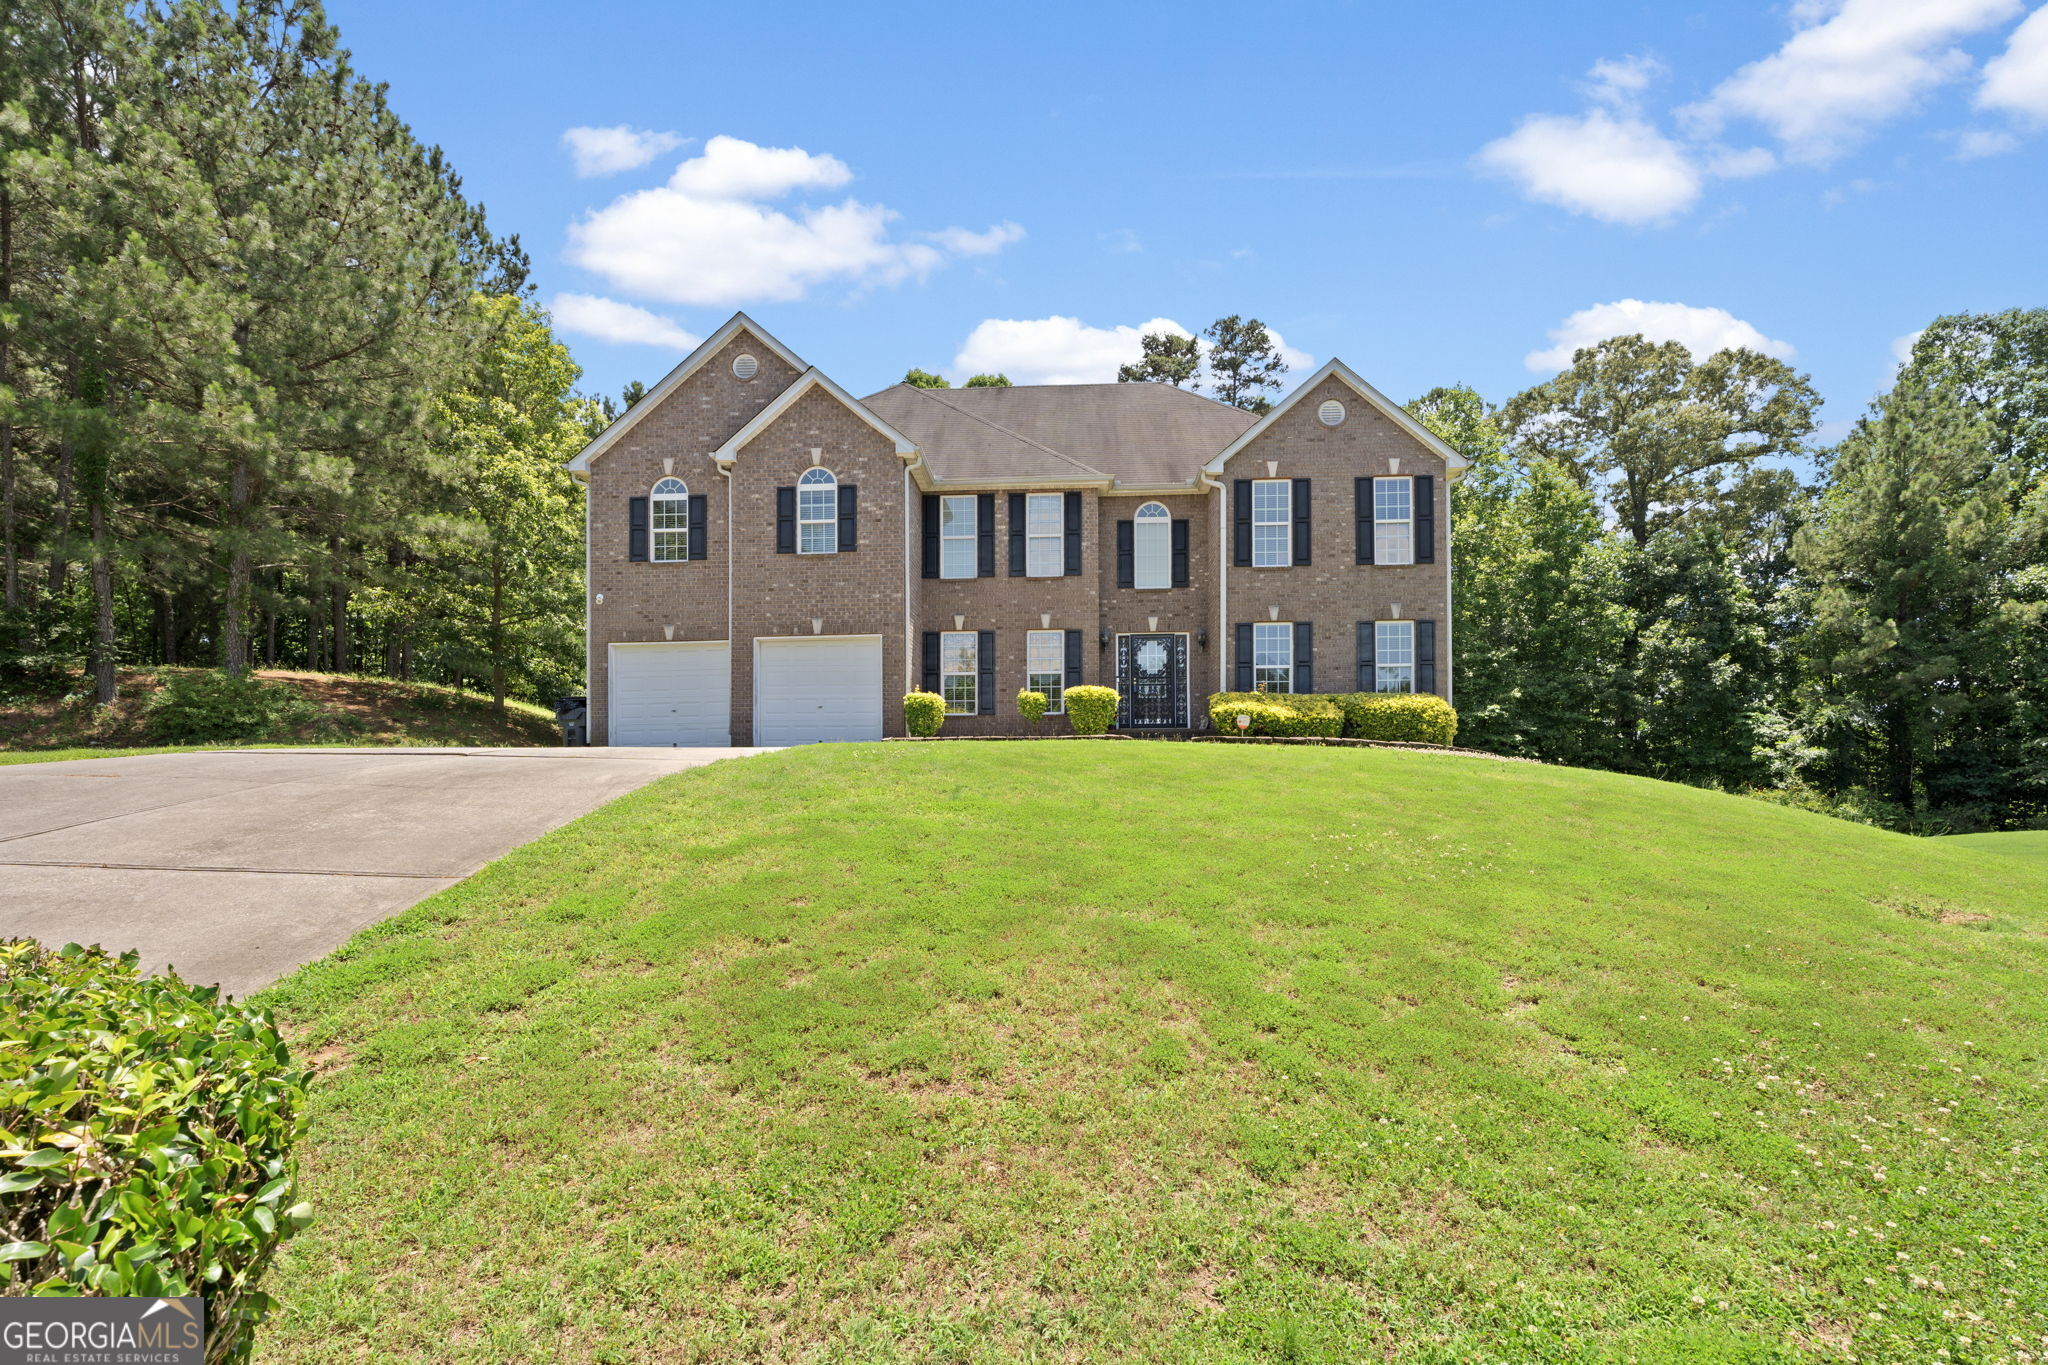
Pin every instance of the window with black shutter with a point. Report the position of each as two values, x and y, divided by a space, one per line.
931 542
1368 635
1301 536
1126 554
1425 519
1073 658
1362 513
931 661
985 657
1304 656
636 530
1425 656
1073 512
985 524
1180 553
849 517
1244 656
785 521
699 543
1016 535
1241 528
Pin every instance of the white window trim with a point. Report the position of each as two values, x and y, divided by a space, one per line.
1058 535
1270 626
972 672
971 535
830 521
1379 521
1286 524
1379 682
1160 523
1056 700
655 502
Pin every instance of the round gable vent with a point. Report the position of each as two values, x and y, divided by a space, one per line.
1331 413
745 367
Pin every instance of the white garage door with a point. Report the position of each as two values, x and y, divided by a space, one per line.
664 694
807 690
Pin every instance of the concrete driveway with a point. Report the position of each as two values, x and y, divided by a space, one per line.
237 866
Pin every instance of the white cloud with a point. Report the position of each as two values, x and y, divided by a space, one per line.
1902 347
1064 350
1732 163
2016 80
1850 66
607 151
1622 80
1619 169
1975 143
1700 330
707 237
609 320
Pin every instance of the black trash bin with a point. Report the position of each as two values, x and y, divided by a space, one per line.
573 715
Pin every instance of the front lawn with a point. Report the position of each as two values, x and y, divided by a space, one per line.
1183 1053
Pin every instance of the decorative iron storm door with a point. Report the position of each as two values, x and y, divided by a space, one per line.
1152 679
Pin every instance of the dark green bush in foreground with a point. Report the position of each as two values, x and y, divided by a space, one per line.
146 1136
212 708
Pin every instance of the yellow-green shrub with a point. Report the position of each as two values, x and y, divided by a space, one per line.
923 713
1031 705
1282 714
1399 717
1091 709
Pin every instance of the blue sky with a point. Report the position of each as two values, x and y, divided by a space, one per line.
1434 194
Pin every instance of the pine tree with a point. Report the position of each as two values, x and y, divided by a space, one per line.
1243 363
1166 358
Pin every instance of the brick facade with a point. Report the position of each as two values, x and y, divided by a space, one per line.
879 588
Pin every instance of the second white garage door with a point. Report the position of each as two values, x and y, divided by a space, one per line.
666 694
819 688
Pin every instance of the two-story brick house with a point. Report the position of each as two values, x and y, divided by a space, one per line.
774 561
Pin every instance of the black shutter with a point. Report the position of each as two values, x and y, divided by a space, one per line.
699 546
1301 547
1425 656
931 661
1362 510
985 526
1244 656
931 536
849 516
1073 534
785 521
1180 553
1073 650
1241 510
1304 656
636 530
985 661
1425 518
1368 642
1016 535
1126 554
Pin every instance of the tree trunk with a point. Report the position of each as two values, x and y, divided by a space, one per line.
12 567
167 624
60 550
234 642
104 643
1898 756
498 640
338 605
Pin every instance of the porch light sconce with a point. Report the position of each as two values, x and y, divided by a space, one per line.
1102 639
1202 637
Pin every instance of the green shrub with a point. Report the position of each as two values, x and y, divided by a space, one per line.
1031 705
1399 717
923 713
1091 709
146 1136
212 708
1276 713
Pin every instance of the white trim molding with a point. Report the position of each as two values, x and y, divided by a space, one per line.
1454 463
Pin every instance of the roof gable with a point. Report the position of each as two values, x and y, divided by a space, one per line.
676 378
813 378
1454 463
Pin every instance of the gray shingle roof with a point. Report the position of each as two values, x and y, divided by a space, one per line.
1140 435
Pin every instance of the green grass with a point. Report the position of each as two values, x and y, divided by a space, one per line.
1182 1053
8 756
2026 843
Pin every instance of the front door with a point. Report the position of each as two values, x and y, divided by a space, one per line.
1152 679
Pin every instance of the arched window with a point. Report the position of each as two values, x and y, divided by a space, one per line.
817 513
1152 544
668 508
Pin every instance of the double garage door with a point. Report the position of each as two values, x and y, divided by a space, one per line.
806 689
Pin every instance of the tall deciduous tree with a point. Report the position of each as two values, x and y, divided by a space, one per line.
925 379
1165 358
987 381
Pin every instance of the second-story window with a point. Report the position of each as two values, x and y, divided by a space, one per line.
1152 547
1272 523
817 513
1393 521
957 534
668 508
1045 528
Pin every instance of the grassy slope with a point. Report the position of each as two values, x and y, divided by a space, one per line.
354 710
1179 1053
2029 843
